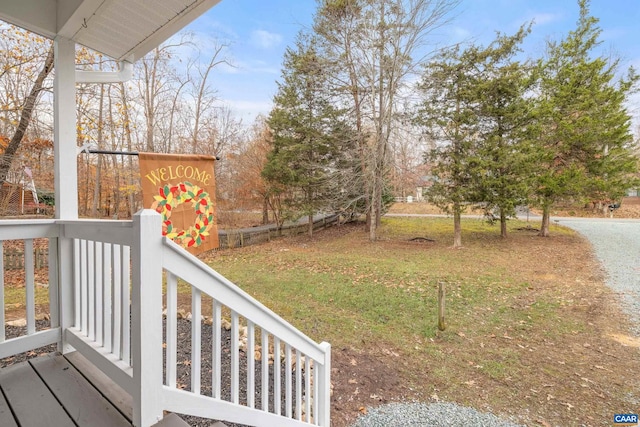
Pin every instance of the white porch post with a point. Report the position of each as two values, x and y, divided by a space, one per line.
65 172
64 112
146 318
324 387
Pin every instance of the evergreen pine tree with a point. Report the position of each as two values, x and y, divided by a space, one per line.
307 134
504 111
584 144
448 114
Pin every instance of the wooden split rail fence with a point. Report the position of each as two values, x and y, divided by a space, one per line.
14 258
251 236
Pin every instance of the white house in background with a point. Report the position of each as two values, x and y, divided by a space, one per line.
106 277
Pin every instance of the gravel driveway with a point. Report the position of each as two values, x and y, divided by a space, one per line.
616 243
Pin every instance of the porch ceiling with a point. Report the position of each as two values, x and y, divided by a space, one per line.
121 29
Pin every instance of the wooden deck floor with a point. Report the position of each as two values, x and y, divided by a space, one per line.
52 391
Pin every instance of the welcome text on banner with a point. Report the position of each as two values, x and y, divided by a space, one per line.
181 188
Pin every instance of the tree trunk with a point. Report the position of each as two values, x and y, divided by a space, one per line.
25 118
544 227
310 225
150 82
114 161
457 226
87 171
503 224
265 211
116 189
374 209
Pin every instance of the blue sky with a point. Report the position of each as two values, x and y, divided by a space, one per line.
258 33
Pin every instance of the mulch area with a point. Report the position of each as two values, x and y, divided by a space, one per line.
184 371
183 376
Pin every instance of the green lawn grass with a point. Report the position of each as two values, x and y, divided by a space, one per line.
347 290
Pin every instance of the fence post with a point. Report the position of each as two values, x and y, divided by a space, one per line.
324 387
146 312
441 302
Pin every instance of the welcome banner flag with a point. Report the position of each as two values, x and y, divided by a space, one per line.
181 188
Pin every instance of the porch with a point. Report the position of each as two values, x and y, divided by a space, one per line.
113 298
63 394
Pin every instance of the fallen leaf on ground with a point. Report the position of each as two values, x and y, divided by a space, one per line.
568 405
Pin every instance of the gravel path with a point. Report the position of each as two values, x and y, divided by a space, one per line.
617 246
428 415
616 243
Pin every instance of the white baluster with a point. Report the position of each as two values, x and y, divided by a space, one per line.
298 386
99 293
251 365
277 377
126 304
91 290
171 347
29 282
107 297
216 351
235 359
82 287
116 262
265 370
196 341
287 375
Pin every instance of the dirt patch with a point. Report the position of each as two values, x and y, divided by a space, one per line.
626 340
364 379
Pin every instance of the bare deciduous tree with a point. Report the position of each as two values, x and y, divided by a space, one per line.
378 45
25 116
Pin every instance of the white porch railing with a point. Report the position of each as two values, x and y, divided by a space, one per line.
26 232
105 294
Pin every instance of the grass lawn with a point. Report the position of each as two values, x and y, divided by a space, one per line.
530 324
533 334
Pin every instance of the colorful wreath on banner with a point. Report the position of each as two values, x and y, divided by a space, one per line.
170 197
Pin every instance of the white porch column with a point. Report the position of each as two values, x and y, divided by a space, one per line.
146 318
64 113
65 173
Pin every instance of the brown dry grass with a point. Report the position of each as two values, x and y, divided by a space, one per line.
629 208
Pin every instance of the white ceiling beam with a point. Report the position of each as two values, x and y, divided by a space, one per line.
123 75
34 15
